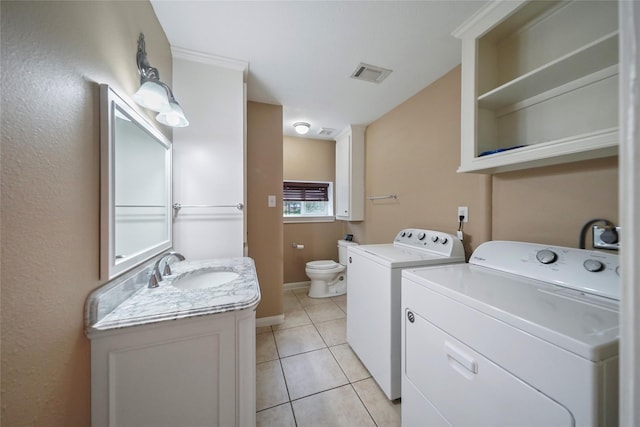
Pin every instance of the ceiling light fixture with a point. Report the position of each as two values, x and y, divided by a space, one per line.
301 127
156 95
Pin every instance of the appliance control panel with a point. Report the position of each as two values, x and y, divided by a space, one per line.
593 272
435 241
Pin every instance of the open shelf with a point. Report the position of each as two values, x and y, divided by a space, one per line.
582 62
539 84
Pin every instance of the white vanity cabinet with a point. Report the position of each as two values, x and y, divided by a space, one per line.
198 371
350 174
539 84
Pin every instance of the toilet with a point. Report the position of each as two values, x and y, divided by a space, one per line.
329 278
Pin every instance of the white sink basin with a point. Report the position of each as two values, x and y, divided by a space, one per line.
203 279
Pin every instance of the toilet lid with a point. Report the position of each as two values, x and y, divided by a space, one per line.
322 264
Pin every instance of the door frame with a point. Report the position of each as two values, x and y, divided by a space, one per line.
629 196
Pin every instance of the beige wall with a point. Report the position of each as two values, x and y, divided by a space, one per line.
310 160
54 54
550 205
413 151
264 224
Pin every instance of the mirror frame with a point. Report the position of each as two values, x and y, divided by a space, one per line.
111 265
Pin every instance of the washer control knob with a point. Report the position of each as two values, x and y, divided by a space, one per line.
409 234
435 238
421 235
593 265
547 256
618 270
444 240
404 233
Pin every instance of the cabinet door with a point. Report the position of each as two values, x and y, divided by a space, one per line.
178 375
343 184
350 174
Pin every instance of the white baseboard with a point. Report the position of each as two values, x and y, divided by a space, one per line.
296 285
268 321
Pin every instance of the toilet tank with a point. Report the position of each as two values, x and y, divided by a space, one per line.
342 250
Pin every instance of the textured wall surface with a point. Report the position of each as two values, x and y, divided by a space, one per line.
550 204
54 55
413 151
264 224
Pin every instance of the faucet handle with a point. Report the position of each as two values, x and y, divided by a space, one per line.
167 269
177 255
154 280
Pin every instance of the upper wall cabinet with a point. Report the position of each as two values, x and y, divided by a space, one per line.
350 174
539 84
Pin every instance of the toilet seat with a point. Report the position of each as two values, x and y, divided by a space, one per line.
323 265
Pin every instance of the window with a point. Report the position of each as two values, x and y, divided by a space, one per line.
307 201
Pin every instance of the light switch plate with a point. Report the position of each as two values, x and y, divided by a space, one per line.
271 201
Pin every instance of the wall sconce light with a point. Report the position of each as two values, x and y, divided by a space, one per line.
301 127
156 95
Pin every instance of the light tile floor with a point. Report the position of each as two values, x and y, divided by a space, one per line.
307 375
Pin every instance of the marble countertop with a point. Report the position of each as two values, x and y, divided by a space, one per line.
129 302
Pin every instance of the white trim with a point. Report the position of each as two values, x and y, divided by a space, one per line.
477 23
296 219
629 195
205 58
296 285
268 321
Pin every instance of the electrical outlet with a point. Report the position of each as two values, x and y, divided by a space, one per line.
606 238
463 211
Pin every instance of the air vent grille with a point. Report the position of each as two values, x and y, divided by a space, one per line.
326 131
370 73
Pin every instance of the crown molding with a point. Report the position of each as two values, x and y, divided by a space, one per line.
218 61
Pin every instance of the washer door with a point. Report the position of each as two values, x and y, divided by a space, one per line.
468 389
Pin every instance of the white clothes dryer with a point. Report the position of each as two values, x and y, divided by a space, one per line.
525 334
373 297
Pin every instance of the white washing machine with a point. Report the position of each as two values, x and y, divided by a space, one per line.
525 334
373 296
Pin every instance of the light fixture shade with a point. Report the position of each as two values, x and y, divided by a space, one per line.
174 116
301 127
152 95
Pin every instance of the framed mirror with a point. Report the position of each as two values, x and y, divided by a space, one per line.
135 187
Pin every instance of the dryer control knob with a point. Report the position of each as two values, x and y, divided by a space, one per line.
546 256
409 234
404 233
444 240
593 265
421 235
434 239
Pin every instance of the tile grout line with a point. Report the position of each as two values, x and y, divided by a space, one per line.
326 346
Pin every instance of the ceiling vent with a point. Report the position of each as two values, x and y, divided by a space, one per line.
326 131
370 73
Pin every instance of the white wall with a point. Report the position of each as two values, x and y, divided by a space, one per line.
208 157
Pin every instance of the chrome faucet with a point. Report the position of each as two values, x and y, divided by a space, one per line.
156 276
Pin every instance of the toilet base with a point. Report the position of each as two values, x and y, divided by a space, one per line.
322 289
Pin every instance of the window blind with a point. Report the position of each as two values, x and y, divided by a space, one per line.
305 191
